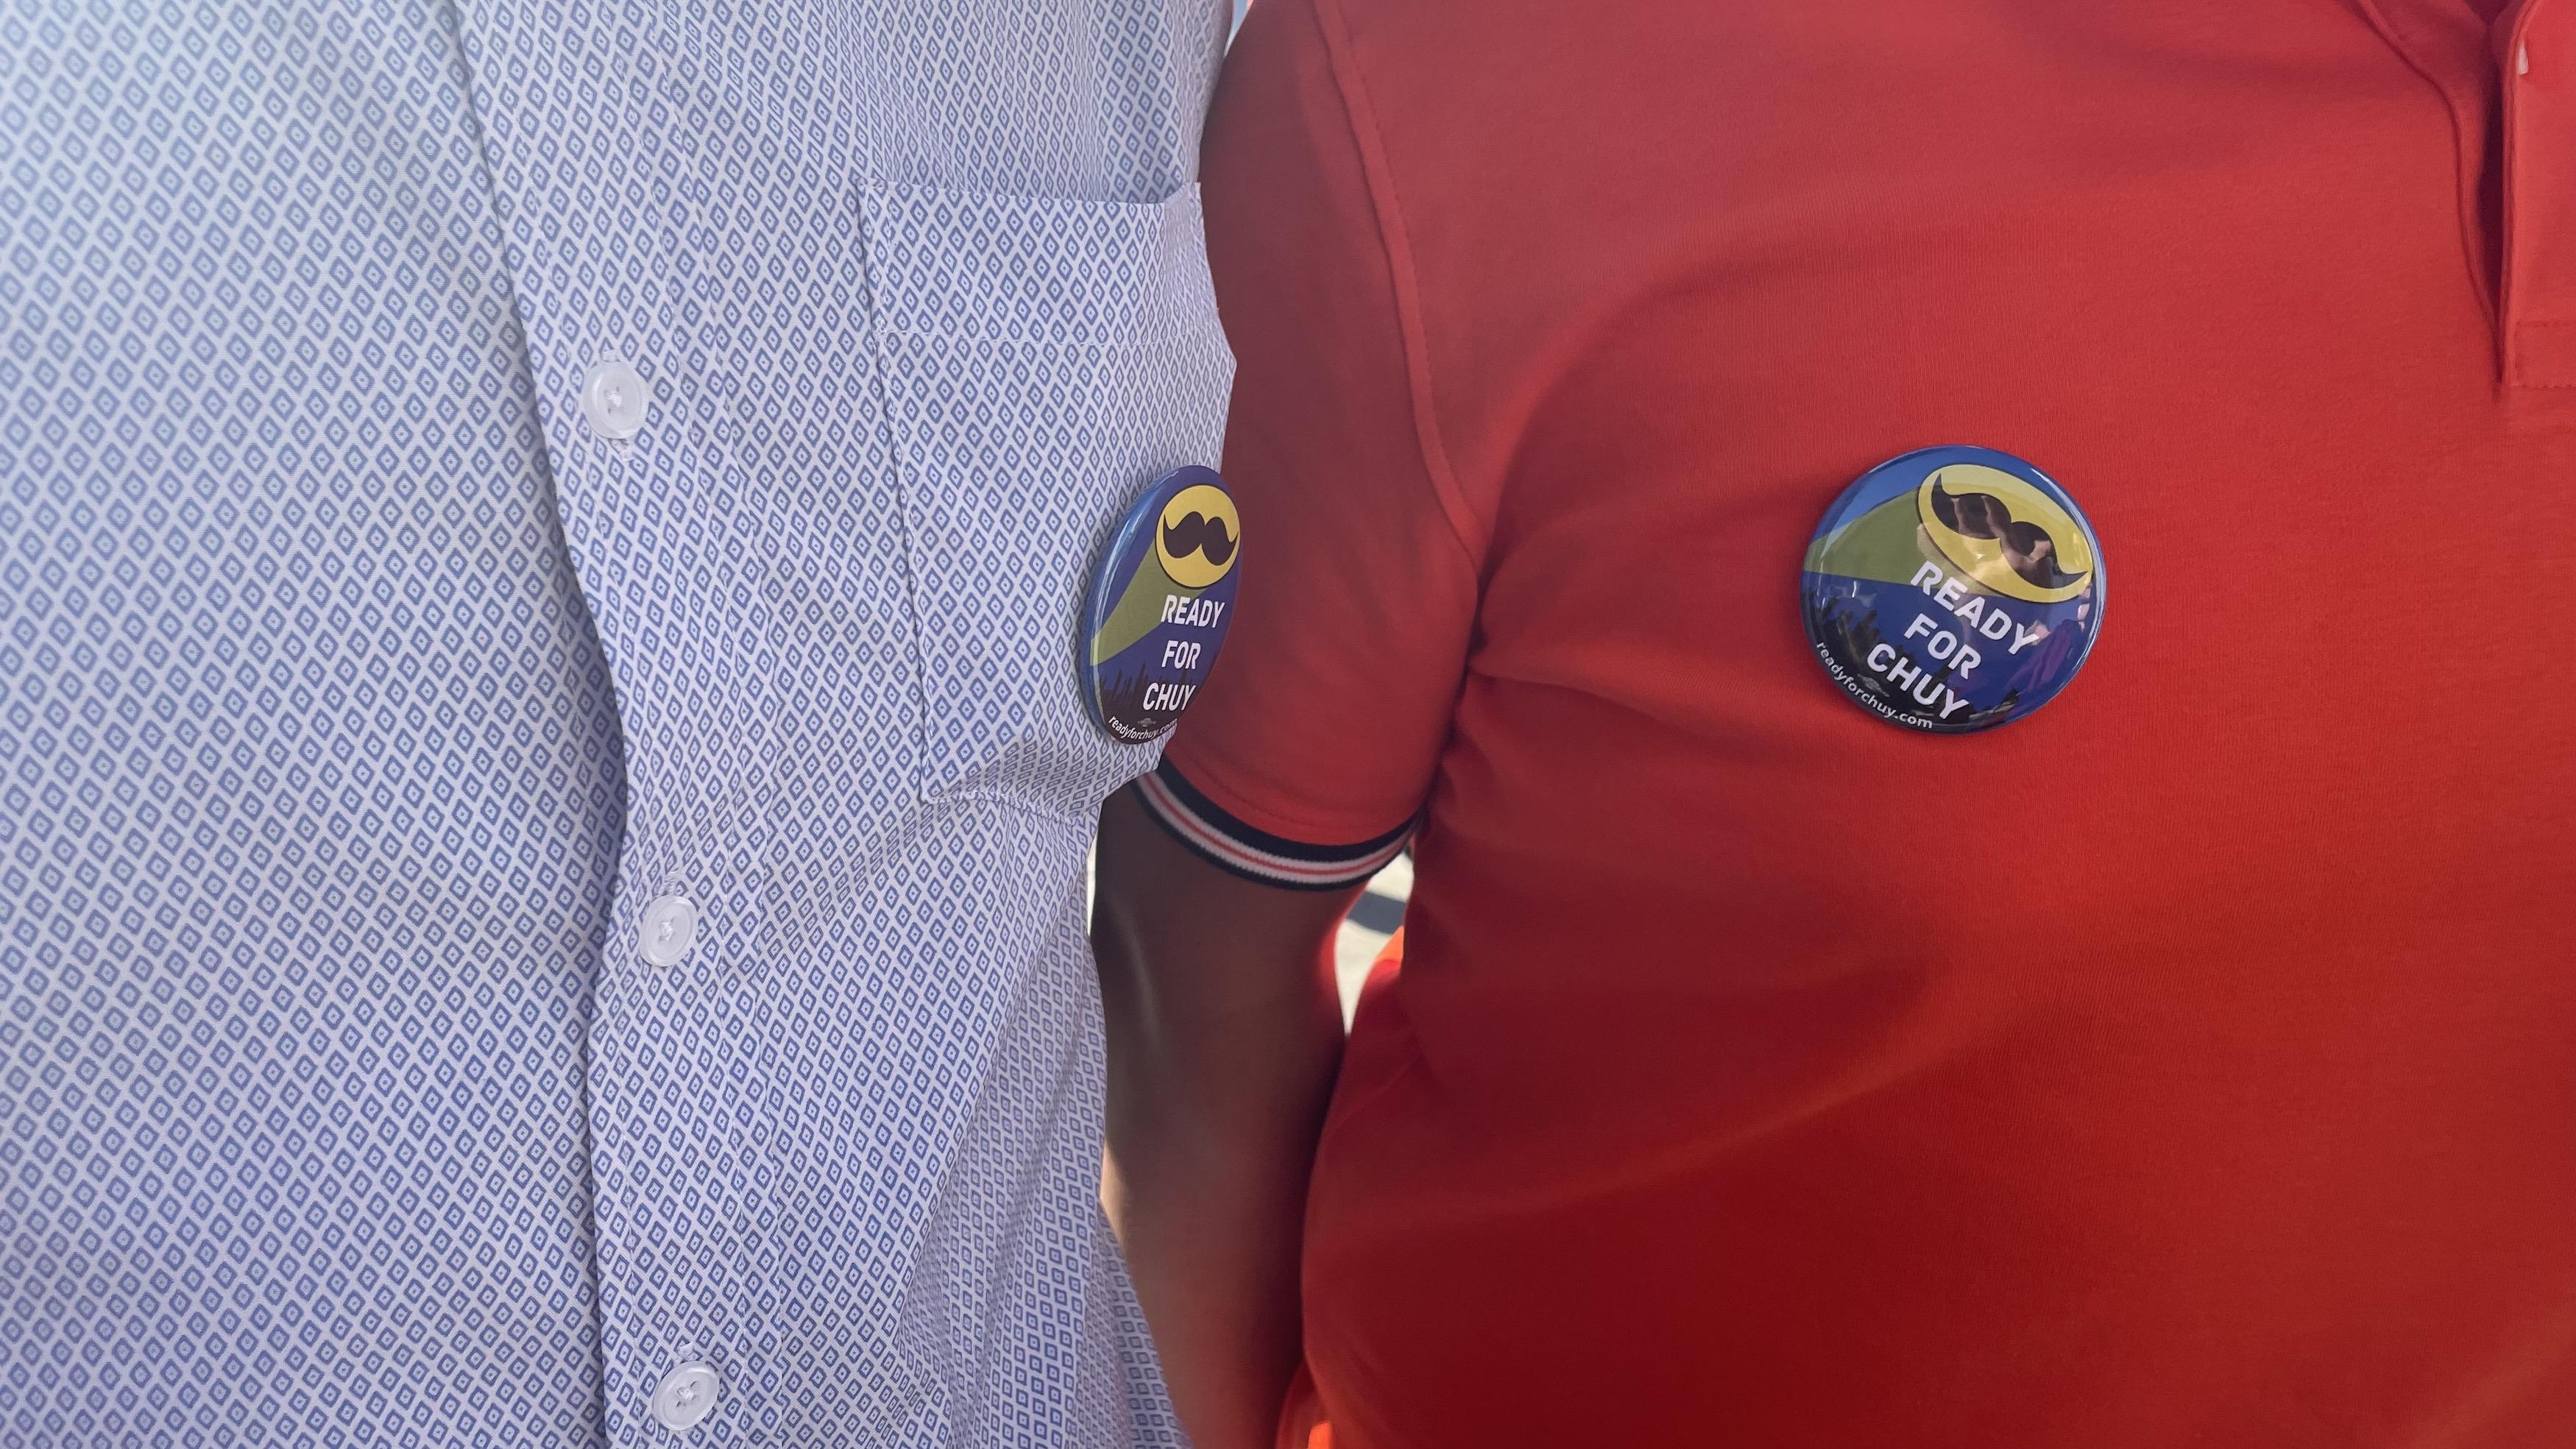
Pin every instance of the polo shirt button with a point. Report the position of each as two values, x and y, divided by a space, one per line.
668 930
685 1396
615 398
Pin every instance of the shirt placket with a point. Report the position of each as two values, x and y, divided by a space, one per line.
2539 251
2506 82
589 133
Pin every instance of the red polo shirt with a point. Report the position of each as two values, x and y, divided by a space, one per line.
2192 1062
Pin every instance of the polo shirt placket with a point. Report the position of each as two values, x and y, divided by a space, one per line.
2513 107
2539 295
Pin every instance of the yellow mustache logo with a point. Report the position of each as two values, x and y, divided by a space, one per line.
2005 534
1195 538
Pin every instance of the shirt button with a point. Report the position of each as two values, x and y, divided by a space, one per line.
686 1395
669 929
615 397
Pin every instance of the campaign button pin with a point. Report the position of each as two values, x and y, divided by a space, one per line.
1953 589
1160 604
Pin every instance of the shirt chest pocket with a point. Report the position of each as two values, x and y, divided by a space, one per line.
1043 362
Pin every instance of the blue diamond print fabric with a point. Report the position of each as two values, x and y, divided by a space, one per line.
361 707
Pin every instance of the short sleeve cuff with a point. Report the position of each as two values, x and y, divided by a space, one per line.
1229 844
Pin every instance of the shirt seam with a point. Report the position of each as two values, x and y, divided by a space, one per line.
1177 819
993 795
1233 826
1208 778
1360 116
1177 332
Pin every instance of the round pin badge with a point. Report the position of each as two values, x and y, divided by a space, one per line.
1160 603
1953 589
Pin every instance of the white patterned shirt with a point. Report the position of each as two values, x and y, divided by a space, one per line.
513 934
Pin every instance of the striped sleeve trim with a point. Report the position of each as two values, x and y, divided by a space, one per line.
1197 822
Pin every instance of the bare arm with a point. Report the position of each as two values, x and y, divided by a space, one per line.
1224 1033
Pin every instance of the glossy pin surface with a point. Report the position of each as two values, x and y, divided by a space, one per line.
1160 603
1953 590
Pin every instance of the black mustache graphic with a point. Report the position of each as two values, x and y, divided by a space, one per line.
2027 546
1196 534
